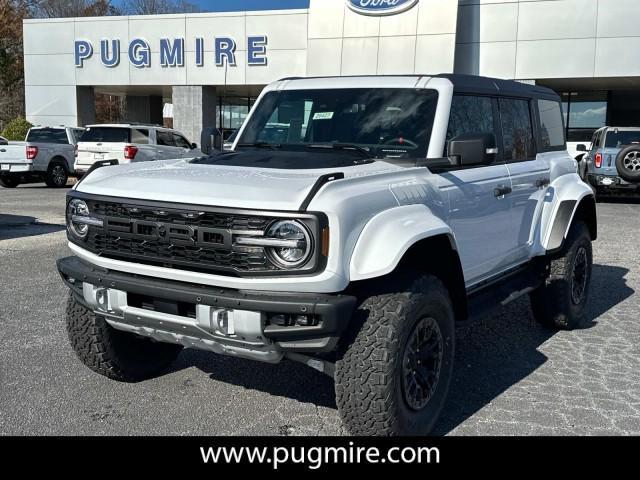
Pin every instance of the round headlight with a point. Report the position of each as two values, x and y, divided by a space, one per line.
297 239
77 208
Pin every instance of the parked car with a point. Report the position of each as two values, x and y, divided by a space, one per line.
126 143
46 155
612 164
393 207
4 141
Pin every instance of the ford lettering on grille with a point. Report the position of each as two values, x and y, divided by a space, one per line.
171 233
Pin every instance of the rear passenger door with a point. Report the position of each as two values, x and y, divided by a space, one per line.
480 218
529 169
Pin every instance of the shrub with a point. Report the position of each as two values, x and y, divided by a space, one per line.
16 129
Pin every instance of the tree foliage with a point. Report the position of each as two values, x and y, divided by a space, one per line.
16 129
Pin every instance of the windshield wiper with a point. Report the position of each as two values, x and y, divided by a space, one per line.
272 146
344 146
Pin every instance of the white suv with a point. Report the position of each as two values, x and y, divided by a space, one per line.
354 222
125 143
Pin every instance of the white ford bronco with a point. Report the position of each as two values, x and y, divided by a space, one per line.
355 221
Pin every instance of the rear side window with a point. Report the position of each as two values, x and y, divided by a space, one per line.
551 124
48 135
470 115
517 130
165 138
106 134
139 136
618 139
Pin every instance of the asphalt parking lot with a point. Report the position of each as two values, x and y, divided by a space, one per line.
512 376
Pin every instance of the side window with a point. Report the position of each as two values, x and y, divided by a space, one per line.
470 115
551 126
180 141
164 138
517 130
139 136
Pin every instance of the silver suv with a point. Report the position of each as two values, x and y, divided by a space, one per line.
388 209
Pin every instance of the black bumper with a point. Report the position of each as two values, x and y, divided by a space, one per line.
333 311
599 181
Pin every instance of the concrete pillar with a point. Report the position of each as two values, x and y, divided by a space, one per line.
144 109
86 106
194 108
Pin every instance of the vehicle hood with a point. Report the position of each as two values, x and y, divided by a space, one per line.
182 181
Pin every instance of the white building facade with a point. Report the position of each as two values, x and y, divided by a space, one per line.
211 66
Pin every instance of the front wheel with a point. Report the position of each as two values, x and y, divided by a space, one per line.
56 176
393 375
112 353
561 302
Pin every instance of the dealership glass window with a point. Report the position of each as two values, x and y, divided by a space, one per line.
552 128
517 130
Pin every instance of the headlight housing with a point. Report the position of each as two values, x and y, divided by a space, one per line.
79 219
291 244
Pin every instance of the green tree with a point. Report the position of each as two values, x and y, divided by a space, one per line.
16 129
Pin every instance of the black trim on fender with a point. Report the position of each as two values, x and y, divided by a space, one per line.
561 224
320 182
97 165
333 310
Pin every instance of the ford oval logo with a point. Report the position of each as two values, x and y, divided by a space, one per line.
380 7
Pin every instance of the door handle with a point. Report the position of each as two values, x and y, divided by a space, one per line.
501 191
543 182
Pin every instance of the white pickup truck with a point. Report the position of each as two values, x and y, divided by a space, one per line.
47 154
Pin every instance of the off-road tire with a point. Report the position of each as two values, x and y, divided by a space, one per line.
56 176
115 354
369 371
9 181
628 163
554 304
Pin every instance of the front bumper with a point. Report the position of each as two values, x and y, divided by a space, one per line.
226 321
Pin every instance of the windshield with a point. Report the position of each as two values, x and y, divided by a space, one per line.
381 122
619 138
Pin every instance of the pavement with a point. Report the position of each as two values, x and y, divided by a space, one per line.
512 377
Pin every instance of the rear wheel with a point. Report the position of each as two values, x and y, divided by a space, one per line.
561 301
115 354
393 375
8 181
56 176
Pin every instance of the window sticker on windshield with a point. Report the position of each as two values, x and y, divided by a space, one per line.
323 115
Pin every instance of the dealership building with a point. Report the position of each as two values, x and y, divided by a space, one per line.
211 66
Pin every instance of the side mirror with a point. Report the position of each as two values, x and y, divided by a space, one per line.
211 140
472 149
194 146
581 148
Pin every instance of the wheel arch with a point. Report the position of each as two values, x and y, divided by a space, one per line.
568 212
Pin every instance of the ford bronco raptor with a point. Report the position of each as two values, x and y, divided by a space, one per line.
354 222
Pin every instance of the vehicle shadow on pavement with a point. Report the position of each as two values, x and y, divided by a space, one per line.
286 379
497 352
18 226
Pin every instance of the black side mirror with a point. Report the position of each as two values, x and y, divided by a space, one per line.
472 149
194 146
581 148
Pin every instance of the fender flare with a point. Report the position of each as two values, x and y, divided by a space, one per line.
576 199
389 235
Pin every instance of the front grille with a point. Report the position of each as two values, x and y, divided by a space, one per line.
149 244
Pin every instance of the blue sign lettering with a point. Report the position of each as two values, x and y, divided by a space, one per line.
172 55
139 53
380 7
83 50
225 49
199 52
257 50
110 56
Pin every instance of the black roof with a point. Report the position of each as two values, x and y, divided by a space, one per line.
492 86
